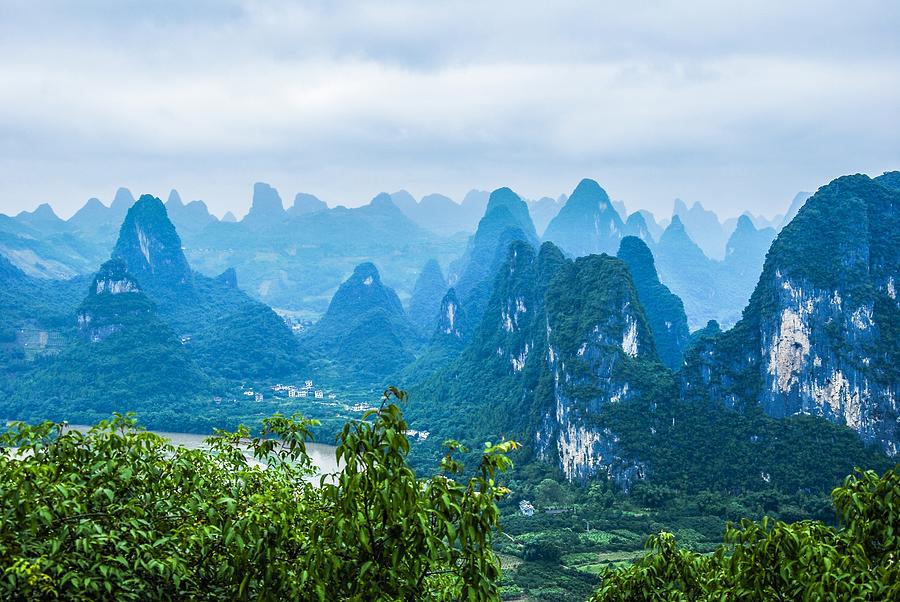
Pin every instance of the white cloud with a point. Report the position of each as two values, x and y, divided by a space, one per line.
736 106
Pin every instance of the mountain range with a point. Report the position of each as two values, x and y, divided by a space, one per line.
580 346
565 358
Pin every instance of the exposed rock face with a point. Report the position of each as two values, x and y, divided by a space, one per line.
425 302
588 348
150 247
452 322
559 342
665 311
114 300
820 334
588 223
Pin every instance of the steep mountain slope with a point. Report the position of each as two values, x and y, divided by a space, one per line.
125 358
559 340
425 302
505 220
151 250
438 213
711 289
297 264
35 319
93 212
745 255
365 330
448 340
636 225
42 218
100 224
665 311
794 207
252 342
587 223
266 208
564 361
692 276
650 220
890 179
820 334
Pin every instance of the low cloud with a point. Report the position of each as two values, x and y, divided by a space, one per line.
738 109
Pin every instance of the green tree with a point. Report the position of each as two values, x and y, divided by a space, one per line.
120 514
769 560
549 492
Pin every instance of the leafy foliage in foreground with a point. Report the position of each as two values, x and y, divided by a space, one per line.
120 514
778 561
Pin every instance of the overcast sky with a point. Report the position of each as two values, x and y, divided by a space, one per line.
737 105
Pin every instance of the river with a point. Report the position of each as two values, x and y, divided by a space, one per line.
322 455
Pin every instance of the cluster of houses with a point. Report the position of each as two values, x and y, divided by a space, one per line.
301 391
306 390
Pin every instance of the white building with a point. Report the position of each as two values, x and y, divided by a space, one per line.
308 384
526 508
320 394
259 397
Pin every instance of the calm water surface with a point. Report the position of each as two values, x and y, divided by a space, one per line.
322 455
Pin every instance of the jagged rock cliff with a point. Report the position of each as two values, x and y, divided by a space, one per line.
114 301
149 246
125 359
596 346
559 342
820 334
453 323
665 311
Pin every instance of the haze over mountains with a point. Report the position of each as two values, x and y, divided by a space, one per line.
580 343
276 240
